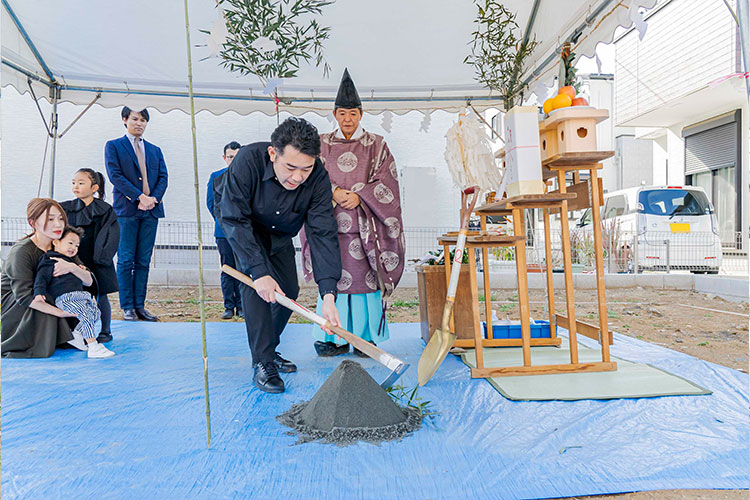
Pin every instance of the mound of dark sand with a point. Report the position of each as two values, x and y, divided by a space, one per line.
350 406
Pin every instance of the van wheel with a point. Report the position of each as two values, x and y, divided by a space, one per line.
698 272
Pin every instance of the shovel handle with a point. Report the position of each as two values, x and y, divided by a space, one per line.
461 242
281 299
371 350
458 258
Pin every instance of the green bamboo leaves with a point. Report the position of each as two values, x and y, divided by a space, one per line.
270 39
496 52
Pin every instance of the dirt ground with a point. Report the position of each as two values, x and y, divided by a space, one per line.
678 319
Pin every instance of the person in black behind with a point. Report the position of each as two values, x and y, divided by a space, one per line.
101 237
269 191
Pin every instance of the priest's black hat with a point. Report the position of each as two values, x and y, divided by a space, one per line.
347 96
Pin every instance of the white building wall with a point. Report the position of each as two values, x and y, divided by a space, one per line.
688 43
601 96
676 149
669 81
599 90
744 188
633 163
429 197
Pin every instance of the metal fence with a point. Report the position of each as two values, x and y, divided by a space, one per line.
628 252
177 242
177 247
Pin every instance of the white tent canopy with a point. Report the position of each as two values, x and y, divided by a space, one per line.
403 55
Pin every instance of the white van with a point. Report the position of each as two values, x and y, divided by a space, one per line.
676 228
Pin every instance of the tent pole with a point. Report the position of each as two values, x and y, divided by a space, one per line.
198 216
743 20
98 96
53 131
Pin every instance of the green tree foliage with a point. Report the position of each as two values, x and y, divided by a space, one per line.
269 38
497 54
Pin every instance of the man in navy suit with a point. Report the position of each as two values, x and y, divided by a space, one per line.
138 173
230 287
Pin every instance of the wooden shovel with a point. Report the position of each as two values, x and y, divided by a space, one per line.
442 339
391 362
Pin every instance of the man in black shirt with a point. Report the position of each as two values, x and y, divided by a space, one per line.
269 191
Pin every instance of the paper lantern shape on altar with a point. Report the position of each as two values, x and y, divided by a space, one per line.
570 130
548 143
522 155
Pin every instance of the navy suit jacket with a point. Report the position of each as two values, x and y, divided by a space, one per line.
218 231
125 175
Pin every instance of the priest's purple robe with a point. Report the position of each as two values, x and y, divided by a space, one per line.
371 235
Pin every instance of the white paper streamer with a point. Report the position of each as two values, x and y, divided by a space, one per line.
425 125
387 121
636 16
469 155
217 36
273 84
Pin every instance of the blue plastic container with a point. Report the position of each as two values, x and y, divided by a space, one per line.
512 330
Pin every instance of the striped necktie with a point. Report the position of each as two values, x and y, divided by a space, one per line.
142 164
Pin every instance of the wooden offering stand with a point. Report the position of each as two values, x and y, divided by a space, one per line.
571 154
576 152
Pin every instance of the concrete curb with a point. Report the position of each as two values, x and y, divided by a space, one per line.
735 289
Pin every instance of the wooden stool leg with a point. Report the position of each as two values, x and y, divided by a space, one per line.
550 281
568 264
523 284
475 308
599 253
486 276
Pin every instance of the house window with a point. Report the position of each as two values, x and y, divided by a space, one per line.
720 187
712 153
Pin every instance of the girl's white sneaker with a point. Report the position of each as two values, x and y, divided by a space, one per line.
78 341
97 350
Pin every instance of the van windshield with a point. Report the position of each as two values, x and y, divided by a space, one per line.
673 202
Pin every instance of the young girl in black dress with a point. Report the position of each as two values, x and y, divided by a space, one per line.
100 240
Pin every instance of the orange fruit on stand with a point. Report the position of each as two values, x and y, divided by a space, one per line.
561 101
568 90
547 107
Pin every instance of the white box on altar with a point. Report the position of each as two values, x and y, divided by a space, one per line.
523 164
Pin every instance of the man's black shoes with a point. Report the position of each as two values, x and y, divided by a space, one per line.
145 315
129 315
284 365
328 349
266 377
228 314
240 314
139 314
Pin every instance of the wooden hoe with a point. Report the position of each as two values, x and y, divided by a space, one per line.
391 362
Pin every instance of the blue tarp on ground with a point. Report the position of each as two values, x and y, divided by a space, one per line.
133 427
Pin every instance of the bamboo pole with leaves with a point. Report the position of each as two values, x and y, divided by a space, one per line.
270 39
497 54
200 235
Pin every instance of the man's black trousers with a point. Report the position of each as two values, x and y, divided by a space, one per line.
230 287
265 321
